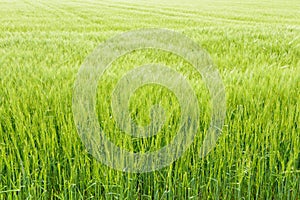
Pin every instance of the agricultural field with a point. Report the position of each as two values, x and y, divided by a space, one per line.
255 46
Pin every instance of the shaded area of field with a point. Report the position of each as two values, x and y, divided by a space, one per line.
256 47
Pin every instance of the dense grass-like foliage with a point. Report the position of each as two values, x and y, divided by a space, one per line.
255 46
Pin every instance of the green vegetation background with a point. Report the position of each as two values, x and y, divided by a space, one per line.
255 46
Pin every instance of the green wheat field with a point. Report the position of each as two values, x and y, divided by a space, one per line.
255 46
